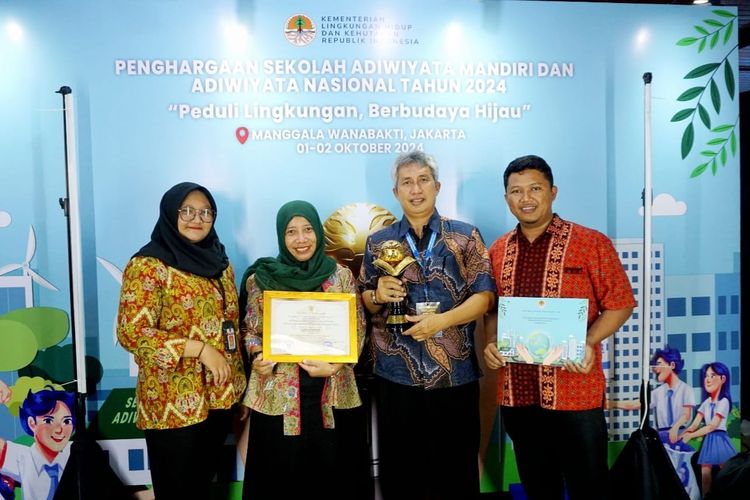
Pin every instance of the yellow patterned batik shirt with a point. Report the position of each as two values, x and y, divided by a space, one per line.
160 309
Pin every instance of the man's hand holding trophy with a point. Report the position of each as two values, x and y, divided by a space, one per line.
392 261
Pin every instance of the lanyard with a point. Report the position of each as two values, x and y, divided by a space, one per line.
220 287
423 262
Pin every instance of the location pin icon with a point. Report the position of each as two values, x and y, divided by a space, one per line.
241 133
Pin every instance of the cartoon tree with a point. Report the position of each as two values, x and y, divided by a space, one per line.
30 338
25 331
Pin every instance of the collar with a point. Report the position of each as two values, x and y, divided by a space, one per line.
554 228
434 225
39 461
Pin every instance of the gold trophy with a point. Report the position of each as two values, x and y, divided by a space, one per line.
393 262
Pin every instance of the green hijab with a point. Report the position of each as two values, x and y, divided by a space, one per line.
284 272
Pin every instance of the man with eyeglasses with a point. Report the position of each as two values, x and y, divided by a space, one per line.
428 376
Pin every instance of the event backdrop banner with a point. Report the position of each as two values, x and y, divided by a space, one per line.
264 102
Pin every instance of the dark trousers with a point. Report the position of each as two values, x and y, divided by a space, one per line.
428 441
183 461
332 463
279 466
558 449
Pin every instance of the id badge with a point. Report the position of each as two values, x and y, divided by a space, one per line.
429 308
230 336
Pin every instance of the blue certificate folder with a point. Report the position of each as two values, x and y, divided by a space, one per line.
542 330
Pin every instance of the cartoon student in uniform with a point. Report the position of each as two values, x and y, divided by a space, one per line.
672 404
717 448
672 401
47 415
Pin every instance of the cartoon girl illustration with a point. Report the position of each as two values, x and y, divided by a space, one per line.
717 448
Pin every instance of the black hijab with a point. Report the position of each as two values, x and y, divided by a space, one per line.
205 258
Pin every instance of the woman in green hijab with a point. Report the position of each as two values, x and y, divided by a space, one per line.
294 446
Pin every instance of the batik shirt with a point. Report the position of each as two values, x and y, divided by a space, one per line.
160 309
458 268
567 260
279 392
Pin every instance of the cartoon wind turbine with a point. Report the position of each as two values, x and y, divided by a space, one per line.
28 274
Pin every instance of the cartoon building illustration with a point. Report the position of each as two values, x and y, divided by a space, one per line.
621 353
695 314
703 323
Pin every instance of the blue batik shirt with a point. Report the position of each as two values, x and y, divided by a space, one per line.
458 267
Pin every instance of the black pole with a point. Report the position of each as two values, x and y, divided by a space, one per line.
77 446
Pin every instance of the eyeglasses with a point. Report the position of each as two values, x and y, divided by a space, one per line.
188 213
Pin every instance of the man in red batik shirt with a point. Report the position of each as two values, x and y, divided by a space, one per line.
555 415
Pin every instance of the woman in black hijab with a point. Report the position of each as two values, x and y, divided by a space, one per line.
178 316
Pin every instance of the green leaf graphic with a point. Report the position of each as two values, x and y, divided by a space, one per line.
715 97
729 78
724 137
704 116
687 140
714 40
698 170
728 33
682 114
687 41
701 70
722 128
690 94
723 13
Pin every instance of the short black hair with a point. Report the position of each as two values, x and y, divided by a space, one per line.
528 162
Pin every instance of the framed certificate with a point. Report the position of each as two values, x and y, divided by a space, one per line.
310 325
542 330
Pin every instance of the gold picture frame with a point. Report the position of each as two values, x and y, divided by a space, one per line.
309 325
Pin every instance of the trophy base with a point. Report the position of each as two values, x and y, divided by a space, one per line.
397 328
396 321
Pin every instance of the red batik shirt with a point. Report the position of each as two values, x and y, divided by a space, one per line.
571 261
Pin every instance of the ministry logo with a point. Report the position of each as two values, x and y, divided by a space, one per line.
300 30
